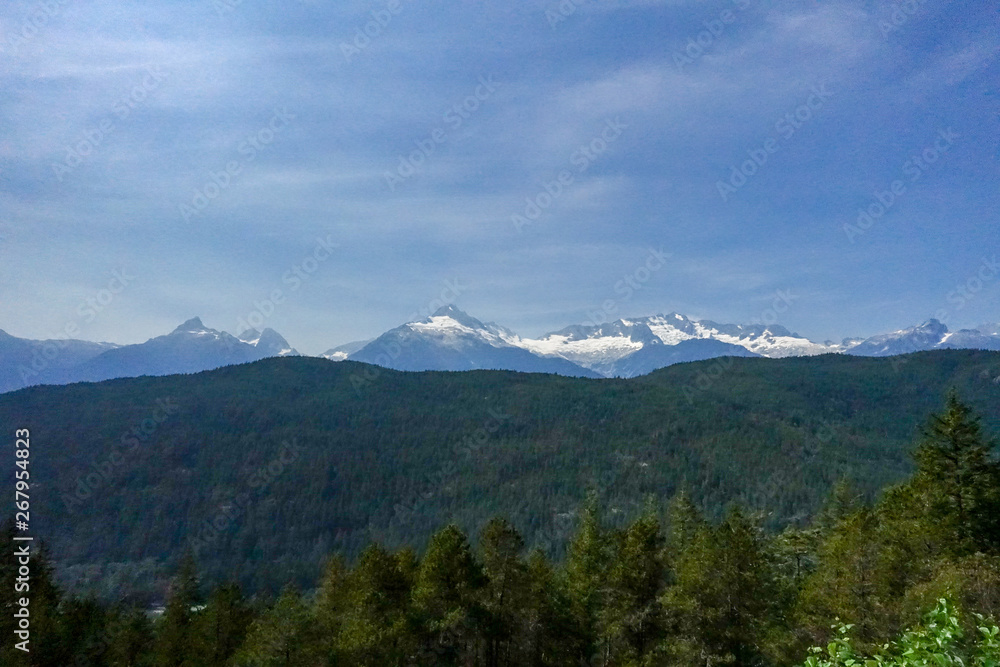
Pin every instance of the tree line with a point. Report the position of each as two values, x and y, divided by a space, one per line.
669 588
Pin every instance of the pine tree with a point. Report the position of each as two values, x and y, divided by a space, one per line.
586 571
547 624
49 642
848 582
176 636
506 589
223 624
375 631
330 607
131 640
446 599
284 636
719 608
633 617
960 477
85 631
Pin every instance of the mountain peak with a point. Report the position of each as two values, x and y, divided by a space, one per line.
271 339
249 336
194 324
457 314
934 325
449 310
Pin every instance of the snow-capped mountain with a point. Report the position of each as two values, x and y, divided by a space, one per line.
604 347
190 348
930 335
657 355
341 352
269 342
451 340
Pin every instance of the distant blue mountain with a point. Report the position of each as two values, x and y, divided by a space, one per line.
450 340
931 335
657 355
190 348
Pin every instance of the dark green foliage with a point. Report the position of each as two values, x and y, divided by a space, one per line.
265 469
223 625
680 587
375 628
175 633
959 479
448 601
284 636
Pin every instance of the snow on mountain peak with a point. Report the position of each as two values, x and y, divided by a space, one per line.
194 326
250 336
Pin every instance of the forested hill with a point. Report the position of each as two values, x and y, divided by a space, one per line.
292 459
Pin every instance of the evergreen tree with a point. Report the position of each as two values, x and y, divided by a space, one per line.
50 644
331 605
960 477
176 636
375 631
633 617
506 588
446 599
586 569
849 582
720 607
223 624
284 636
85 630
547 624
131 639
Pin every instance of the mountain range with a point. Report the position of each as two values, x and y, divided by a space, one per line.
451 340
190 348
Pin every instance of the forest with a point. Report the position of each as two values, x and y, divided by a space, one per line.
263 470
909 578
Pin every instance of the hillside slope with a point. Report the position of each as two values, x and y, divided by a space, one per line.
292 458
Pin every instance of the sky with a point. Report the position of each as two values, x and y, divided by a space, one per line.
333 171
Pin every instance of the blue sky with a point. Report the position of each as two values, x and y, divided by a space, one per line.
219 154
